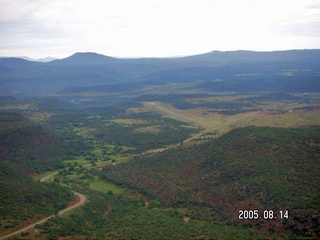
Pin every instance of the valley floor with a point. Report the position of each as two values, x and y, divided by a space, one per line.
145 170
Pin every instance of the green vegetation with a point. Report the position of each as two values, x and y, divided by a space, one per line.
112 217
103 134
192 189
76 162
155 132
236 104
26 149
27 145
102 186
249 168
22 198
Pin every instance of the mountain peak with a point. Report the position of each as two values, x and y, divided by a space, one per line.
88 54
88 58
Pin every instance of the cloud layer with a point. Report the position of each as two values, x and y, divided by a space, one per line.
125 28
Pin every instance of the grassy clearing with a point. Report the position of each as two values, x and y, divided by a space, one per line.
98 152
219 98
288 119
150 129
105 187
129 121
263 112
111 146
79 161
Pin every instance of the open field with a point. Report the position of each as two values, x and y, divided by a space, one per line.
102 186
79 161
273 113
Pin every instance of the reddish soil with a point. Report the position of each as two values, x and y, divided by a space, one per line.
109 210
220 202
39 217
74 201
34 174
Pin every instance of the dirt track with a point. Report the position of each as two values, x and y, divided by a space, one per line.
81 201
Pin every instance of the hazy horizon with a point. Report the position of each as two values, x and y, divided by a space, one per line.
45 59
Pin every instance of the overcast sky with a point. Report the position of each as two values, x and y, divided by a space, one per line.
155 28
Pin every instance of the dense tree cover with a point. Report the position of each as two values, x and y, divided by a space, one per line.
27 148
28 145
222 107
249 168
108 216
69 125
62 124
147 131
7 99
170 98
22 198
276 96
50 103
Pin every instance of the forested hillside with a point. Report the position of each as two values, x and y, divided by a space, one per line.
27 145
108 216
249 168
22 198
25 149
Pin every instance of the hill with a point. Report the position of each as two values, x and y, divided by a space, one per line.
28 146
26 149
88 58
22 198
249 168
214 71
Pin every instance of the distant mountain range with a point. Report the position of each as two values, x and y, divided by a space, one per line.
45 59
240 71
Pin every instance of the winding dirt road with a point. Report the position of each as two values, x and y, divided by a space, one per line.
208 128
81 201
48 176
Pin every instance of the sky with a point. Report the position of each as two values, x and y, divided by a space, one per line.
155 28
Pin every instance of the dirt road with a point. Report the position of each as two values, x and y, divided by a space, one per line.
49 176
82 201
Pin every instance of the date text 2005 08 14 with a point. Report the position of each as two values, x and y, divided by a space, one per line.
266 214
